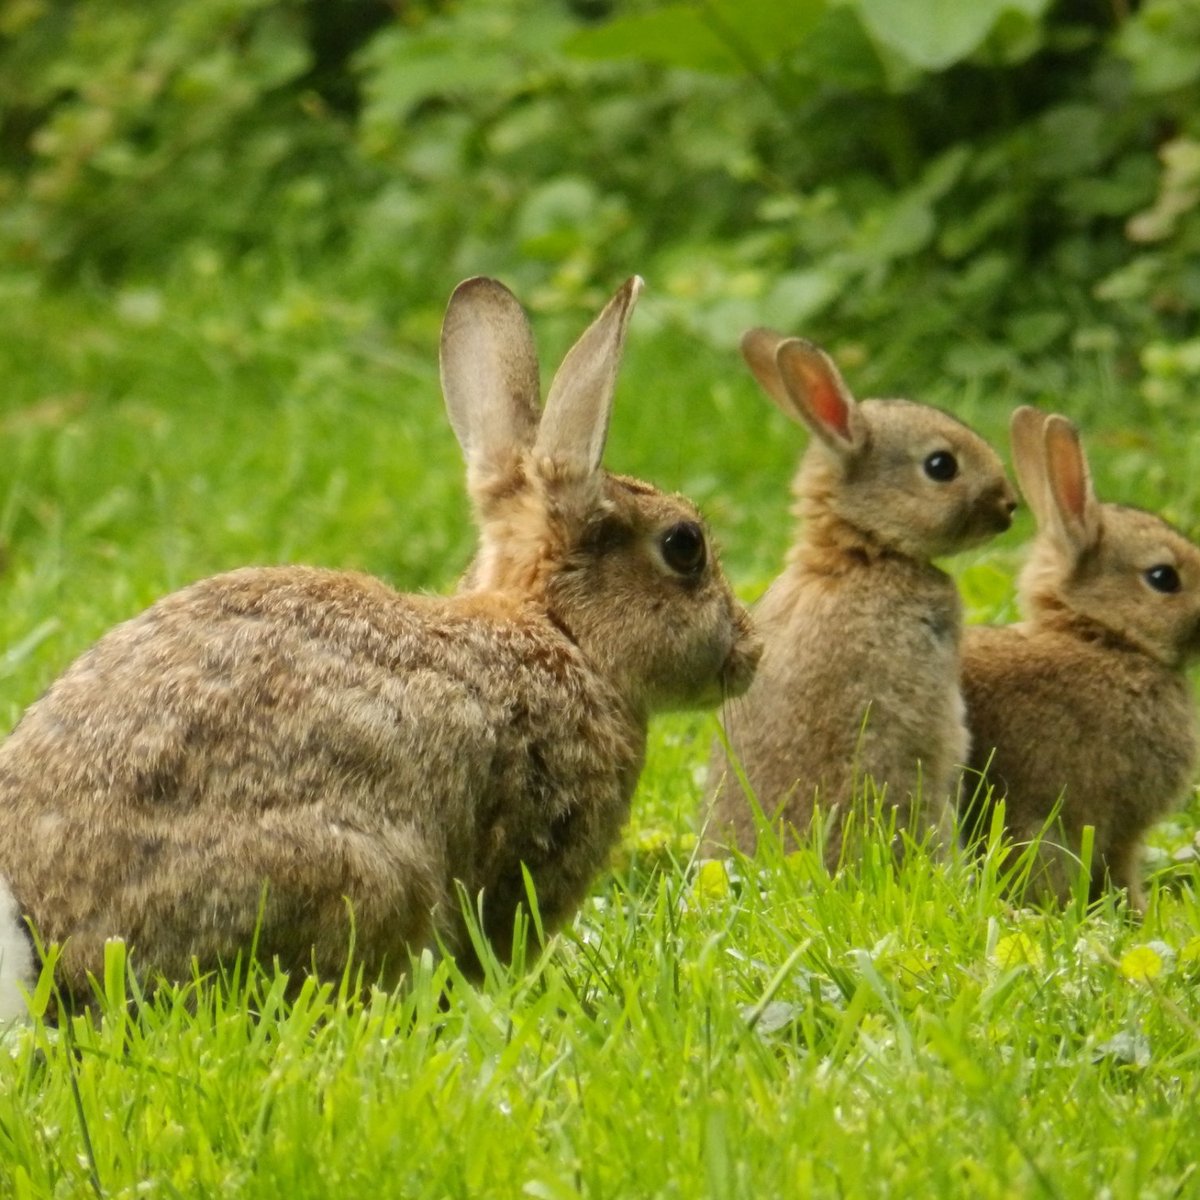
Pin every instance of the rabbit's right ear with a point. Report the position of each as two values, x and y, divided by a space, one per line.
819 395
489 374
1074 513
1029 459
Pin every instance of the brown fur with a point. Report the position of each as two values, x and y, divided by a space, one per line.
859 678
345 754
1085 703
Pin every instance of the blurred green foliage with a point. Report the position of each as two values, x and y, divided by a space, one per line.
972 190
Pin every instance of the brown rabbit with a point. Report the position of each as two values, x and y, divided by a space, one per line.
1086 700
341 755
859 678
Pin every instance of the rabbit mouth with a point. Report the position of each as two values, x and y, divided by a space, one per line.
997 518
984 524
737 672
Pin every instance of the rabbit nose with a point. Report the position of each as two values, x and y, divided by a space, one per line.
1005 500
1008 500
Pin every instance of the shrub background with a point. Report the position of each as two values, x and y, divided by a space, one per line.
971 190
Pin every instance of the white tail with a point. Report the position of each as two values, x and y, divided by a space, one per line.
16 959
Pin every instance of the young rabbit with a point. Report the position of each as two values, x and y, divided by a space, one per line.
1085 701
859 678
309 753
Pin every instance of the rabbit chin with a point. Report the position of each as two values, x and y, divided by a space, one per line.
979 529
739 668
17 975
728 681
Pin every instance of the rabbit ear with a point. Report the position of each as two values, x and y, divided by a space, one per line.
574 425
1073 509
819 396
489 372
1029 459
758 348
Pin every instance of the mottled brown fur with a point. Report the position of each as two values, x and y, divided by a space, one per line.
859 677
342 754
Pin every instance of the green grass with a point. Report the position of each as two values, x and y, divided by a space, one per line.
762 1031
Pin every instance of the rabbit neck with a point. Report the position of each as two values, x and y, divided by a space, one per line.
830 537
1047 611
829 544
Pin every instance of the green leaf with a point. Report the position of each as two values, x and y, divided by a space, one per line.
935 34
717 36
1069 141
1162 43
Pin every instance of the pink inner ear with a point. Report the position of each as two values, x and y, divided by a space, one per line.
1069 475
1071 490
826 401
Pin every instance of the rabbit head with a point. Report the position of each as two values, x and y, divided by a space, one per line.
624 570
893 475
1124 572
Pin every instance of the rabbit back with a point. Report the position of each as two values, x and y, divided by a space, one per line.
315 745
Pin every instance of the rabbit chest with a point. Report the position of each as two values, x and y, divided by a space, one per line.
880 644
859 679
1111 731
563 766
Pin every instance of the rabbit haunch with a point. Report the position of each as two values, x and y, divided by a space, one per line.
291 753
859 678
1082 714
279 745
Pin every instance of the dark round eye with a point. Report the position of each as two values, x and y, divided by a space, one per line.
1163 578
941 465
683 548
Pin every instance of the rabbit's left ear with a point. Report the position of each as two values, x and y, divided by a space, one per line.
574 426
1073 511
489 374
1027 433
758 347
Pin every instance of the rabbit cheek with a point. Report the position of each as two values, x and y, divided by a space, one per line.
677 664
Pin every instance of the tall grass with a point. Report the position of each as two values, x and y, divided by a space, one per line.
756 1029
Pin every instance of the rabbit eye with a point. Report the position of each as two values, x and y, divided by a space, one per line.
1163 578
683 548
941 465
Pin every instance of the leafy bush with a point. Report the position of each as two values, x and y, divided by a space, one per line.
966 189
976 174
132 130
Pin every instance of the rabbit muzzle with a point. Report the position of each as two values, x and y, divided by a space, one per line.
737 672
992 513
1003 504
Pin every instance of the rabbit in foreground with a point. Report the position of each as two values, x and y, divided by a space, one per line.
859 678
341 754
1086 699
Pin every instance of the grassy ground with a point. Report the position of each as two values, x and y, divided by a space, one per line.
761 1031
